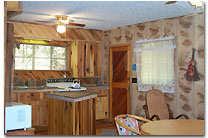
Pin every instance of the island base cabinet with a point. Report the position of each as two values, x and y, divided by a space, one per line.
71 118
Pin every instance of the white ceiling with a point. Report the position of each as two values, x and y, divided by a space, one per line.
104 15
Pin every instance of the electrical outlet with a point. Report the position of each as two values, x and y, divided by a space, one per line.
134 80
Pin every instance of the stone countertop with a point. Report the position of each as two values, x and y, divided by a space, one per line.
73 96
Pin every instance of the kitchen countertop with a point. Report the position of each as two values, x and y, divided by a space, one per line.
73 96
34 89
98 87
44 88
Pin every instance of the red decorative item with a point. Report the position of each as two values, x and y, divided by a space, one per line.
192 74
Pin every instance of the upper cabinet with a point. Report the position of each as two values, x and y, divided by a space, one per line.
85 59
13 8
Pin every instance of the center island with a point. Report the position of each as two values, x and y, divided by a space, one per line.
71 113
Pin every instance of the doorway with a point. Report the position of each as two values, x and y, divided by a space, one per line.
119 80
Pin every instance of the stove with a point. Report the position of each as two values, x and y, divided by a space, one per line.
64 84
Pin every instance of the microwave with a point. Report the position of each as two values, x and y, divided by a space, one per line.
17 116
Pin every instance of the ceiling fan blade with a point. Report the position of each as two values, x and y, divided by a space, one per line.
170 2
76 24
44 21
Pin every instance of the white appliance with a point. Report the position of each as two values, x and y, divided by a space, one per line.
17 116
65 84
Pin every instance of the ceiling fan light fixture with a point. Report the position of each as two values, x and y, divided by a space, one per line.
61 28
196 3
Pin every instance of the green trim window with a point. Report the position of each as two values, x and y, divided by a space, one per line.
40 57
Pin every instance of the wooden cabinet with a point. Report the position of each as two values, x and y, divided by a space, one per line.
71 118
102 104
39 102
85 59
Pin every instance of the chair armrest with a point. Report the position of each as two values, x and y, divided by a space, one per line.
155 116
182 115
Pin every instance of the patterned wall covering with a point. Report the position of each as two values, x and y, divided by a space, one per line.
189 31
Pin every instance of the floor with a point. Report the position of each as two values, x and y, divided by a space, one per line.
100 126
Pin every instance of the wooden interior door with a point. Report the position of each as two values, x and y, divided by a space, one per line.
119 80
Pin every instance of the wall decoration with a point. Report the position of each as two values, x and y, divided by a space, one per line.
192 74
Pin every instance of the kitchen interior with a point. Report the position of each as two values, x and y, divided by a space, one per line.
74 80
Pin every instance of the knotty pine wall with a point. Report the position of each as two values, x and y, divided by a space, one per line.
189 31
84 48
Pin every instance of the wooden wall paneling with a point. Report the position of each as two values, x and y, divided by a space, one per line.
68 55
40 74
107 35
47 32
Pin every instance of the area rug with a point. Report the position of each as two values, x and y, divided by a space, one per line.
109 132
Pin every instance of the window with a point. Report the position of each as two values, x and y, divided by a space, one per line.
155 64
40 57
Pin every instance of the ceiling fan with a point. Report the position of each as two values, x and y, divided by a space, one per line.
196 3
62 21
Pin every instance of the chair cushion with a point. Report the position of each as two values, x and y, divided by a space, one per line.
130 122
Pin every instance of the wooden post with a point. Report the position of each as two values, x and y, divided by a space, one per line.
8 61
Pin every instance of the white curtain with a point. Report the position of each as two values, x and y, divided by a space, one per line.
155 64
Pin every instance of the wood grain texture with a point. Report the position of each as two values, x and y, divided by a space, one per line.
39 103
8 60
74 59
119 80
102 103
173 127
189 32
40 74
70 118
46 32
29 131
85 59
13 8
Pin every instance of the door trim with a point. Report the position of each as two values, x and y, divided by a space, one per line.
122 47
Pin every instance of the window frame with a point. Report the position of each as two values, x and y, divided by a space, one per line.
51 58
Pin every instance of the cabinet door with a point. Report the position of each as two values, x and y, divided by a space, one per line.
101 103
85 59
101 108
